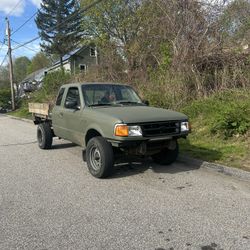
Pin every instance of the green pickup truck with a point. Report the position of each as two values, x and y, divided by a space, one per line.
109 121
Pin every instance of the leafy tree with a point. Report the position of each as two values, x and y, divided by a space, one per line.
39 61
20 68
235 22
59 25
114 22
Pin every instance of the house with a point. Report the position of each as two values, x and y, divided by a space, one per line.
78 60
31 82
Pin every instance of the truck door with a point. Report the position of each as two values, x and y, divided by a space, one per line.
73 118
57 114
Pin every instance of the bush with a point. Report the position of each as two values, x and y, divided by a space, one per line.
232 120
226 113
5 98
54 80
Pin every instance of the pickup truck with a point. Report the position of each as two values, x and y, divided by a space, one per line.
109 121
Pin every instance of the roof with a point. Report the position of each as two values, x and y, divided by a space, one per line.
35 76
89 83
72 53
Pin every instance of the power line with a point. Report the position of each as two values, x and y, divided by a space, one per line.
24 23
24 44
34 50
18 3
2 44
59 24
4 60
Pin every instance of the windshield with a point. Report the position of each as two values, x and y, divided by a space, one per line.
109 94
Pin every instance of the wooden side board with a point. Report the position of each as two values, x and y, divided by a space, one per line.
39 108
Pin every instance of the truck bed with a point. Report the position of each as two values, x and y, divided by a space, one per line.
40 110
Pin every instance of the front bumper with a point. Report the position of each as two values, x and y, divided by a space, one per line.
145 146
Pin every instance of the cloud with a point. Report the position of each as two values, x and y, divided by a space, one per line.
29 50
14 6
36 3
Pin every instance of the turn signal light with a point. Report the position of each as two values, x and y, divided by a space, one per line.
121 130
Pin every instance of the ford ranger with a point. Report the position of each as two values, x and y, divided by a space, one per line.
109 120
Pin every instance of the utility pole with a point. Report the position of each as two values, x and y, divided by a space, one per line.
10 64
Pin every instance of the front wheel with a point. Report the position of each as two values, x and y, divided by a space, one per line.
100 157
44 136
168 155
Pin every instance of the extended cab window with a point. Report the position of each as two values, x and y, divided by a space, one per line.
59 97
73 98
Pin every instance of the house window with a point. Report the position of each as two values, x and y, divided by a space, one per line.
93 51
83 67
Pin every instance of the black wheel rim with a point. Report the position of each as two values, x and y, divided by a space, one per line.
95 158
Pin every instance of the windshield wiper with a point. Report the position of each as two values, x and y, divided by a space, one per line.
99 104
128 102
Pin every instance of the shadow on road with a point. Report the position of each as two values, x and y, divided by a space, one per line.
140 166
63 145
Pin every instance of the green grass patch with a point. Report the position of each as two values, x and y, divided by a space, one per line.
22 112
220 129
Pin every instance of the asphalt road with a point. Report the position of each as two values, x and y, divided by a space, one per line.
48 200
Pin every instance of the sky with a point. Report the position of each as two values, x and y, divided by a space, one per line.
18 12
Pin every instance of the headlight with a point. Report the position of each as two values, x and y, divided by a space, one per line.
184 127
134 131
125 130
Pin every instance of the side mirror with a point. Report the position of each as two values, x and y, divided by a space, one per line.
71 104
146 102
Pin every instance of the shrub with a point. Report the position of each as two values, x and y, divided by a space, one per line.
53 81
225 113
232 120
5 98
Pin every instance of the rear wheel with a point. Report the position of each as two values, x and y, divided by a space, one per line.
44 136
168 155
100 157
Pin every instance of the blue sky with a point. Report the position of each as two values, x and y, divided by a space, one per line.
23 11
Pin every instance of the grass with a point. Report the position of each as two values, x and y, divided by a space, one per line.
233 152
205 143
22 112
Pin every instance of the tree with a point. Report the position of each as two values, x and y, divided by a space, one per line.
59 25
39 61
20 67
235 23
114 22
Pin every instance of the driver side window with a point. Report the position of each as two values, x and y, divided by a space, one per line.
72 97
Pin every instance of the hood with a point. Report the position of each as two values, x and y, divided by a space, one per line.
140 114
